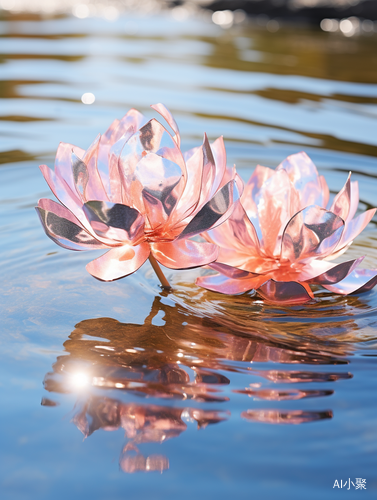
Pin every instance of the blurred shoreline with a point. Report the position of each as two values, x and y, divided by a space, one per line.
301 11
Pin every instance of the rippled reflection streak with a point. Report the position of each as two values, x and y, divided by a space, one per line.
104 356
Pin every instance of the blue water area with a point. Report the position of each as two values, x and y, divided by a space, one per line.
123 390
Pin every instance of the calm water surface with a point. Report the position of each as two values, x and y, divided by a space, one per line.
186 394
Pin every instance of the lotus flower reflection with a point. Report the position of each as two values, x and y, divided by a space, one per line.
280 237
135 194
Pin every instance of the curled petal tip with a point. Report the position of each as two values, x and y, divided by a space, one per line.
358 281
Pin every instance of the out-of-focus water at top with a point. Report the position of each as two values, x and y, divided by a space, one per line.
211 391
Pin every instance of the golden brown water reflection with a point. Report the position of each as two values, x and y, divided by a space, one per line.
189 358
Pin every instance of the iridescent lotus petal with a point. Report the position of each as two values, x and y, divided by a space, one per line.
237 231
66 233
289 292
151 138
94 188
107 165
230 174
165 113
283 238
162 184
214 212
80 175
312 232
109 136
219 156
242 260
189 200
57 209
342 201
130 123
320 272
119 262
304 177
325 191
359 281
132 191
63 162
354 200
69 199
114 221
251 195
156 139
184 254
115 187
353 229
278 201
229 286
63 193
231 272
208 174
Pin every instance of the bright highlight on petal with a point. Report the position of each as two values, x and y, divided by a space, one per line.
280 237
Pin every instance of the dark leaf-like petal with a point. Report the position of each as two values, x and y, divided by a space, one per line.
285 292
66 233
359 281
114 220
212 213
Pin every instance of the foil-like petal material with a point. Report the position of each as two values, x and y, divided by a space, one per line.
184 254
114 221
66 233
312 232
358 281
318 272
336 273
304 177
278 202
237 230
63 162
280 236
94 187
352 229
119 262
134 191
290 292
342 202
230 286
165 113
213 211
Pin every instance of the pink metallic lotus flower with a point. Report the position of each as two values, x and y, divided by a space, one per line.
280 237
134 193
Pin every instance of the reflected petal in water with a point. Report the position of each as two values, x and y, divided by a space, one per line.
285 417
189 358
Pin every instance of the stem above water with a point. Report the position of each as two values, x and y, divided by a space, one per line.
157 269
